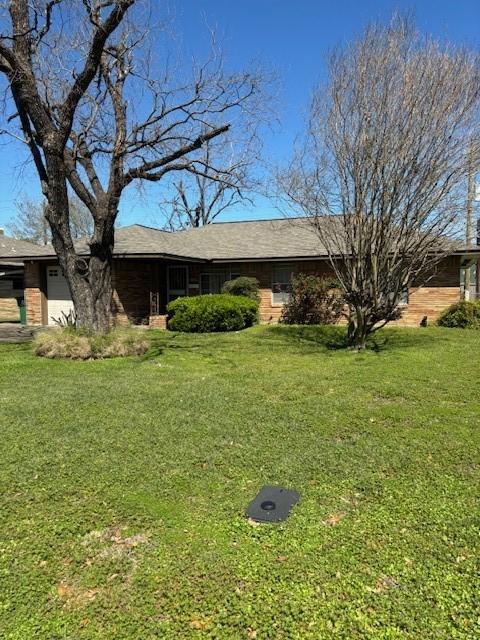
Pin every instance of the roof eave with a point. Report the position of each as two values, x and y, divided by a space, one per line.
124 255
195 259
268 259
160 256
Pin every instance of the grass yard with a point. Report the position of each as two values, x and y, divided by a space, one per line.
124 482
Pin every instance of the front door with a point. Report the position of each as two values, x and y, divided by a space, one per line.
177 282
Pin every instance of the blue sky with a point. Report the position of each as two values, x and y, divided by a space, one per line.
292 37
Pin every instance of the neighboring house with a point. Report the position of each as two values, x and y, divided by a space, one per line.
152 267
11 274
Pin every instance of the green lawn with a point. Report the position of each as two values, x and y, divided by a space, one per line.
124 484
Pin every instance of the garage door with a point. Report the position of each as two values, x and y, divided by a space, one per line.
59 299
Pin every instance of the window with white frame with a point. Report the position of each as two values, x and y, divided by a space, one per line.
281 283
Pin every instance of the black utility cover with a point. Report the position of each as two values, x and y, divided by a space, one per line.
272 504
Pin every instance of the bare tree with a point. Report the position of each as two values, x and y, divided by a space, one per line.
384 158
199 198
30 222
98 113
469 206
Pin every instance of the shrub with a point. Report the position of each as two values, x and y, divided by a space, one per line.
462 315
80 345
242 286
204 314
313 300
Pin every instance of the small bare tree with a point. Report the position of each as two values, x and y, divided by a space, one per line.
384 157
31 224
199 198
99 113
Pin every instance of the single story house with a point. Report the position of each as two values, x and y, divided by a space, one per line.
152 267
12 274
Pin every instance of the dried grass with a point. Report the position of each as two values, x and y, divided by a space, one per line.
74 345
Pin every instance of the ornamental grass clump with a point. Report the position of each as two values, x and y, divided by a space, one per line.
72 344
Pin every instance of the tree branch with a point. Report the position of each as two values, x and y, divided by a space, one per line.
144 170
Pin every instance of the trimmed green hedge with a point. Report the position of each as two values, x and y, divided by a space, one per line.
462 315
209 313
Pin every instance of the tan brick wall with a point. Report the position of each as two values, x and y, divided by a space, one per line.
427 301
157 322
9 309
35 298
442 290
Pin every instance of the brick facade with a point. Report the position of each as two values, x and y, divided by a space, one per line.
132 282
442 290
9 309
158 322
35 293
140 289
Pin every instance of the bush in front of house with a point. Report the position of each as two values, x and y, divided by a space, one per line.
243 286
313 300
73 344
461 315
209 313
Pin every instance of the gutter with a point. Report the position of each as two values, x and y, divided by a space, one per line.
170 256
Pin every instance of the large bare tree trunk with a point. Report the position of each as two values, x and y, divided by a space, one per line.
100 270
89 280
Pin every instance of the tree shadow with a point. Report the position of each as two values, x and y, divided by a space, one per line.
325 337
334 337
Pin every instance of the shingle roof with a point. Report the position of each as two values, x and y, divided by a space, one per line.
226 241
137 239
284 238
12 249
222 241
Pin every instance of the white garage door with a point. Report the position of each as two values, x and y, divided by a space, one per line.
59 299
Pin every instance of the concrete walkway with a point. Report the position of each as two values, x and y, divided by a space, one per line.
12 332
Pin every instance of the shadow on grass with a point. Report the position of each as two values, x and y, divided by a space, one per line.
326 337
333 338
303 338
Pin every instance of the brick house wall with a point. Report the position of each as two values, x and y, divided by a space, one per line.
8 309
131 298
35 293
442 290
132 281
8 300
138 282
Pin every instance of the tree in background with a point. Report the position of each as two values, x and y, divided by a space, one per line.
199 198
117 113
381 174
31 224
